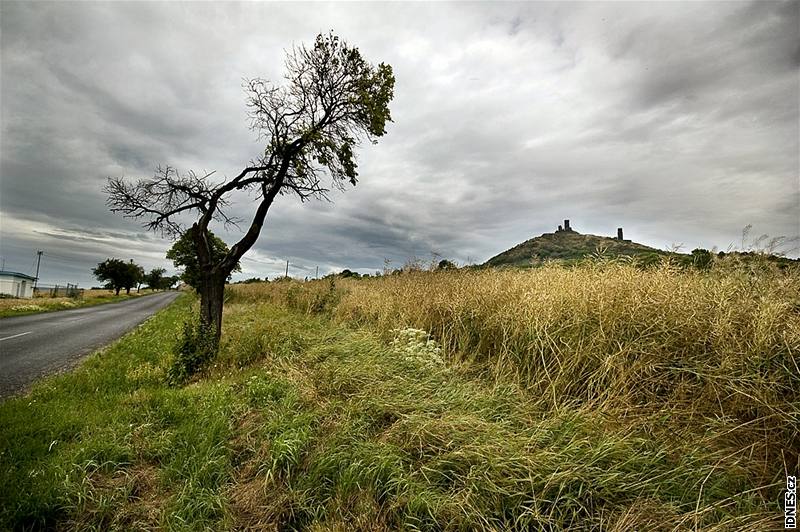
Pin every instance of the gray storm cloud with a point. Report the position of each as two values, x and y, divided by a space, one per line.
678 121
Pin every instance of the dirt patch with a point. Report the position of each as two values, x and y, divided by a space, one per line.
126 499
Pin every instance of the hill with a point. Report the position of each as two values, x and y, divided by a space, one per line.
566 245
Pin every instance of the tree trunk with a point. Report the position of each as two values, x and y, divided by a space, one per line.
212 291
117 291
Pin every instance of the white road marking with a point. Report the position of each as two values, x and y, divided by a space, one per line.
15 336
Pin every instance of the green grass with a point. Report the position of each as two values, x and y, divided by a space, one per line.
109 445
305 424
24 307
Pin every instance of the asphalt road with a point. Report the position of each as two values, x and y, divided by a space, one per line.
41 344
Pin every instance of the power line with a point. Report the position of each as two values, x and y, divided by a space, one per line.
71 260
60 257
67 261
272 264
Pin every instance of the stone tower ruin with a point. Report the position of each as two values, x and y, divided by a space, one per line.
565 227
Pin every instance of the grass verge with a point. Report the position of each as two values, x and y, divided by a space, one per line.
23 307
304 423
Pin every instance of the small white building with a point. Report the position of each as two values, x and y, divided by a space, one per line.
16 284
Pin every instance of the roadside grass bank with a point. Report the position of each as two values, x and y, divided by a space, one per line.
22 307
330 408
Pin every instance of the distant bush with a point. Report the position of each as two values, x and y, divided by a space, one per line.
445 264
648 260
702 258
252 280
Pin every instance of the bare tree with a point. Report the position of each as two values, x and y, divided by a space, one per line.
331 101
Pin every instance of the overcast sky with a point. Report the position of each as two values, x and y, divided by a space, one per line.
676 121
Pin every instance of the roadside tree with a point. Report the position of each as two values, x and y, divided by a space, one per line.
183 255
331 100
118 274
155 278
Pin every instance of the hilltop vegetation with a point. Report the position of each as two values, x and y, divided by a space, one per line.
601 397
569 245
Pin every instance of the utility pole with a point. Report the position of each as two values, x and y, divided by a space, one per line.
287 269
38 262
316 275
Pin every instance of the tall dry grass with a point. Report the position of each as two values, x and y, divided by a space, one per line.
714 354
588 334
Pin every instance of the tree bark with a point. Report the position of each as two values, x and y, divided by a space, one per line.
212 292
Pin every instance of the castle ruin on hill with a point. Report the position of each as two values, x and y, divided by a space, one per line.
567 229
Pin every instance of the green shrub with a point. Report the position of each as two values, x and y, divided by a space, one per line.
196 346
702 258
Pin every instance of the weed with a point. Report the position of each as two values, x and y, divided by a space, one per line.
194 349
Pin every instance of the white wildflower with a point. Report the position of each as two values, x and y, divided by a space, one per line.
416 347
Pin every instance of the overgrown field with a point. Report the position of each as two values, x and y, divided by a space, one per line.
21 307
596 398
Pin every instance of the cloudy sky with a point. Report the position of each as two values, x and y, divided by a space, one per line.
676 121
